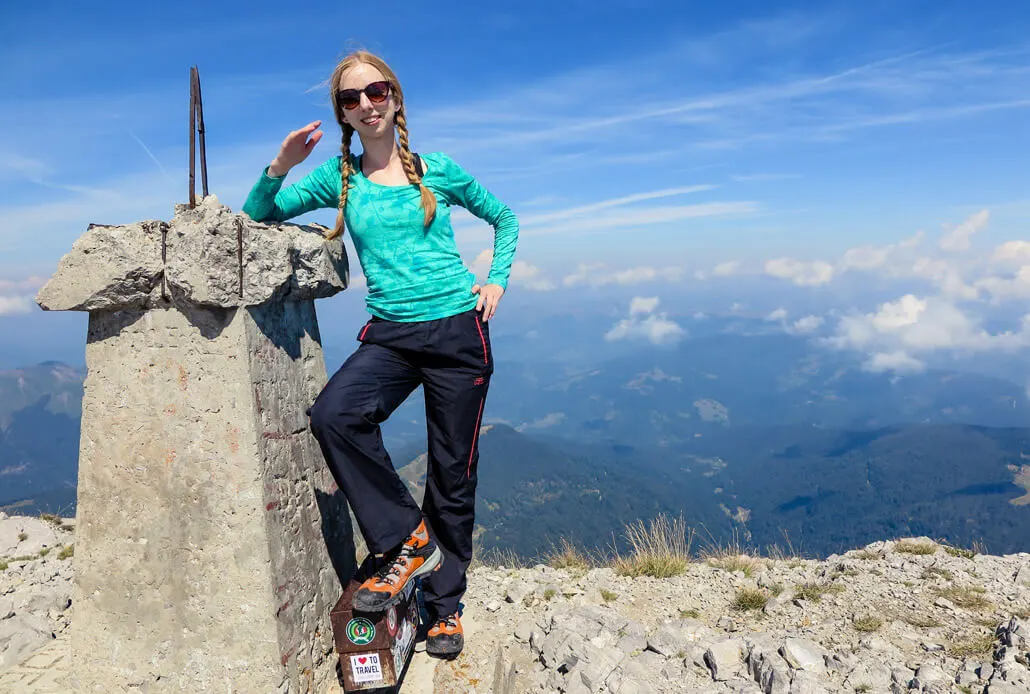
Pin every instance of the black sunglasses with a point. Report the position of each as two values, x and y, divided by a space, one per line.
377 92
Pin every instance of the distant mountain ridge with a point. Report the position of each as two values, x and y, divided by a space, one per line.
40 411
822 491
724 440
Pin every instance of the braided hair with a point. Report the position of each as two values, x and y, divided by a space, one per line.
407 159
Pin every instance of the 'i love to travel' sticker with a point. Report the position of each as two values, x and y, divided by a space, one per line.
366 668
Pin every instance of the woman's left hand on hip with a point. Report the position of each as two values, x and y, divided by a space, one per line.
489 296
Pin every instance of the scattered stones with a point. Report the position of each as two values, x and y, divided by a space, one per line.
35 591
576 642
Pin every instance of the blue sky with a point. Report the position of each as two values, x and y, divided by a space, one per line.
664 148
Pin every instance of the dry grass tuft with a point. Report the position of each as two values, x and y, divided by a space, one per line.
914 547
748 599
867 623
971 597
866 555
814 592
981 644
736 562
659 548
568 556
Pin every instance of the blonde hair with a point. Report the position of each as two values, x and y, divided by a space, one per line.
407 159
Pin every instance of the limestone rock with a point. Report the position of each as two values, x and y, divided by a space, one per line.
206 256
108 267
724 659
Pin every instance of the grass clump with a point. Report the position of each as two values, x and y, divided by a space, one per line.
659 548
550 593
937 572
971 597
981 644
567 556
51 518
867 623
22 537
915 547
748 599
866 555
735 562
692 613
959 552
497 558
23 557
66 552
814 592
609 596
923 621
43 552
3 565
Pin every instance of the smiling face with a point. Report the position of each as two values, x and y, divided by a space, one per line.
370 120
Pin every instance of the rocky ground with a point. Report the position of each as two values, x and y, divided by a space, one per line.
35 584
901 616
893 617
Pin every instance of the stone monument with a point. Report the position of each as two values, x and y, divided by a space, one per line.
211 539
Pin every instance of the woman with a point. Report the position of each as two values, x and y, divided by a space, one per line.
428 327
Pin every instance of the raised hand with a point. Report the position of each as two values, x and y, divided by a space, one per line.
295 148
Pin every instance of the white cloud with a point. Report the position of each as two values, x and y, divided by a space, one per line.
1016 286
726 269
528 276
806 325
12 305
599 275
640 304
958 238
31 283
644 324
777 315
898 362
582 210
803 274
866 257
549 420
942 273
1012 252
913 325
642 217
522 273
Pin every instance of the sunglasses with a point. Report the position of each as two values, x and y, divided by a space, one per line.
377 92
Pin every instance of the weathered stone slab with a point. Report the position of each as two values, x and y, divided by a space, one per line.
206 256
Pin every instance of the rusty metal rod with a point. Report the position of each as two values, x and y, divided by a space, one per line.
239 251
193 145
200 130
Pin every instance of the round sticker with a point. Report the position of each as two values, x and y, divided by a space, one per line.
360 631
391 621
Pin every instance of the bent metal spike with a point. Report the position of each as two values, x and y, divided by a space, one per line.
196 127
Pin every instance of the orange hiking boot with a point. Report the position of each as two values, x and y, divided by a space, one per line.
445 638
418 555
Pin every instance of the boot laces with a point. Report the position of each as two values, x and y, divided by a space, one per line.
391 571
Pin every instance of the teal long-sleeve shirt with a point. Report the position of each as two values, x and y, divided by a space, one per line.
414 272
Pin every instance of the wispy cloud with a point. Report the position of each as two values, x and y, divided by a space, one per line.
646 323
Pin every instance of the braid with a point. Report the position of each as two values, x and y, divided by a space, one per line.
345 172
428 200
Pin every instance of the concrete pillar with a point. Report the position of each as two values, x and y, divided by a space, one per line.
211 540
